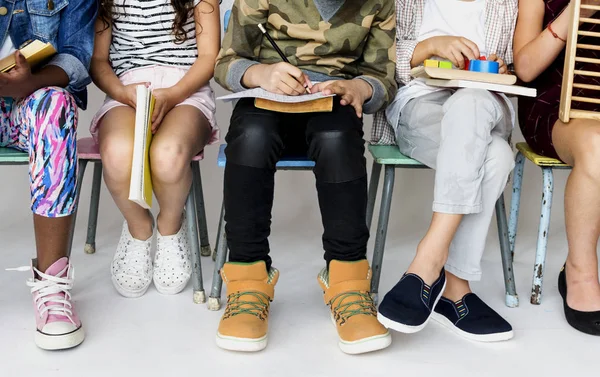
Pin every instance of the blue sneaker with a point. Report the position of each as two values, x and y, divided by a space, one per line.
472 319
408 306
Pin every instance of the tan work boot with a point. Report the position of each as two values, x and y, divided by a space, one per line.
250 289
346 286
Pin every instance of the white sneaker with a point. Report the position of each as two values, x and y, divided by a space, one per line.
172 263
131 268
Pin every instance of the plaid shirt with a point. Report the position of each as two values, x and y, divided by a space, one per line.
500 21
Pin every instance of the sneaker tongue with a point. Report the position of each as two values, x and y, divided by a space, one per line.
57 267
54 270
246 271
340 271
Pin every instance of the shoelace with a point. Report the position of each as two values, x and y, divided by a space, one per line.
176 260
130 260
235 305
348 304
50 290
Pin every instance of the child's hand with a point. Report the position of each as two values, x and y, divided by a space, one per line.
352 92
165 101
280 78
455 49
127 94
503 69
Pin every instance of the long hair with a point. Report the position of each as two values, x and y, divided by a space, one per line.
183 9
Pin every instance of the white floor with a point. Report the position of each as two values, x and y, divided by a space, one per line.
170 336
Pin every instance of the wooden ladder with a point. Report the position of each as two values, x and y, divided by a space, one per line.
566 112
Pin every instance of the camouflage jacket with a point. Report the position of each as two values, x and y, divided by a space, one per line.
327 39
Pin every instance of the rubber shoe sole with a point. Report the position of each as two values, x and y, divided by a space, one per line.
59 342
365 345
487 338
232 343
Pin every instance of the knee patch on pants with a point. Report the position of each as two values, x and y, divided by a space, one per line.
253 145
339 156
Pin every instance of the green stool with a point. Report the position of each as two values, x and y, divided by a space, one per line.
390 157
9 156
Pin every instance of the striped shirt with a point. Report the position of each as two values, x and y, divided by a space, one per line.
500 21
142 36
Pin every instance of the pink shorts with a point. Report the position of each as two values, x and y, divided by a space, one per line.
163 77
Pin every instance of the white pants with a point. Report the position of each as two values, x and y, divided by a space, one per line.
463 135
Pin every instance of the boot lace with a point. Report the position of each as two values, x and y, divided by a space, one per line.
237 303
348 304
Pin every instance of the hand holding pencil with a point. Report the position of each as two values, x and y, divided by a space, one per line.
296 73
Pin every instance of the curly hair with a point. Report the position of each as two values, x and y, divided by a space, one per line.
182 8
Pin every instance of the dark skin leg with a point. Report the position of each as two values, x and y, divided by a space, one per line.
51 238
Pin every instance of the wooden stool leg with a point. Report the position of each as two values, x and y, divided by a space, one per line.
382 226
192 228
515 201
542 242
90 243
205 250
373 185
511 299
80 175
214 301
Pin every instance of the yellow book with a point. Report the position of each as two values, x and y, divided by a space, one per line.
140 187
35 52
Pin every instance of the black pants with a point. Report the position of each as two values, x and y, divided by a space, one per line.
255 142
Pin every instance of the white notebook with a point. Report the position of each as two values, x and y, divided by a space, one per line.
261 93
140 186
508 89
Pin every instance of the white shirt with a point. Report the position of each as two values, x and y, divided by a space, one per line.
142 35
446 18
7 48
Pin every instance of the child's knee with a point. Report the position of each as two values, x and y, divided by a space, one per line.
500 159
116 158
55 113
169 160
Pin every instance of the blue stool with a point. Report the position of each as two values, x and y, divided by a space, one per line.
220 253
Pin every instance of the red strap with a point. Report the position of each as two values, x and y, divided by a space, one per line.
554 34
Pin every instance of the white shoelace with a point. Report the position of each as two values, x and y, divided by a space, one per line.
133 262
48 289
177 260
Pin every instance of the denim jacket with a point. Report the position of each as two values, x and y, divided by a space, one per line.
67 24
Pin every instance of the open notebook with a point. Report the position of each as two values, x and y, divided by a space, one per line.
35 52
140 186
306 103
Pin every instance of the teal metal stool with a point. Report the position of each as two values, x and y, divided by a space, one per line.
10 156
391 158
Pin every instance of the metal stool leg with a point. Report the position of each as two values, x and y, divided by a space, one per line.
220 233
80 175
511 300
373 185
542 242
192 228
214 301
382 226
515 200
90 243
205 250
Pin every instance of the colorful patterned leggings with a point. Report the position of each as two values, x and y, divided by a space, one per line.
44 125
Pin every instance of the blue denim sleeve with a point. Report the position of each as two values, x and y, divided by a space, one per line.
76 43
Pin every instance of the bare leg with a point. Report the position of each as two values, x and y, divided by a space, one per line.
116 149
183 133
578 144
51 238
432 251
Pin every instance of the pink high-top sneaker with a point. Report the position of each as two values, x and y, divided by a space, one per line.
58 326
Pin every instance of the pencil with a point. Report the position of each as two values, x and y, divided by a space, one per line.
272 42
